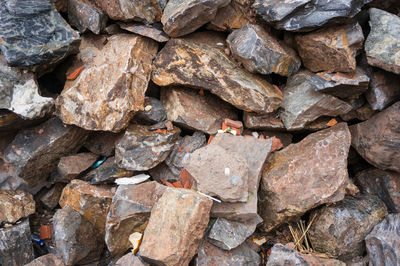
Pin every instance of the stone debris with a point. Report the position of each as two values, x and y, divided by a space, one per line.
154 112
46 260
154 32
70 167
102 143
84 15
229 17
14 205
384 90
107 172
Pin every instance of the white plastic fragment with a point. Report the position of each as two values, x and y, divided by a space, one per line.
205 195
132 180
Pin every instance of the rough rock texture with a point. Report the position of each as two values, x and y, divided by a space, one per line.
181 237
302 104
131 260
14 205
383 42
129 212
228 17
92 202
84 15
305 175
156 114
340 229
333 49
46 260
384 90
270 121
111 88
51 197
195 62
102 143
182 17
76 240
383 243
16 245
187 108
10 121
377 140
141 149
70 167
35 152
261 53
154 32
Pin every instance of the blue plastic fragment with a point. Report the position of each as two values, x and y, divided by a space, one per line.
98 163
36 239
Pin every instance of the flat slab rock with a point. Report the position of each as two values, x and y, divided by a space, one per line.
154 32
14 205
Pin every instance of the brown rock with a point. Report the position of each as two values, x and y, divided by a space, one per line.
333 49
181 237
51 197
154 32
46 260
14 205
384 90
93 202
270 121
188 108
84 15
130 260
305 175
70 167
102 143
228 18
111 88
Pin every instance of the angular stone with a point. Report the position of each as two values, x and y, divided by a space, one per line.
384 90
141 149
35 152
70 167
383 42
51 197
277 10
302 104
363 113
16 244
46 260
130 260
129 213
75 239
166 221
195 62
270 121
154 31
92 202
377 140
33 33
305 175
187 108
332 49
14 205
61 5
156 114
10 121
384 184
83 15
183 17
228 18
383 243
340 229
262 53
111 88
102 143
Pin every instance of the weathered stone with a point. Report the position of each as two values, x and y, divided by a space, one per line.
305 175
384 184
111 88
70 167
16 245
333 49
277 10
363 113
187 108
154 31
156 114
302 104
102 143
377 140
51 197
196 62
340 229
228 18
181 236
14 205
61 5
270 121
75 238
260 52
107 172
130 260
383 42
92 202
33 33
141 149
384 90
84 15
383 243
130 212
35 152
46 260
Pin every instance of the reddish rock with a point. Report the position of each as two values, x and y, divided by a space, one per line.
270 121
228 18
102 143
72 166
14 205
384 90
46 260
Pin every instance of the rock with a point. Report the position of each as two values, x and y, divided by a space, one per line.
19 93
383 244
285 255
384 90
61 5
183 17
75 239
227 168
14 205
383 41
384 184
10 121
363 113
270 121
83 15
141 149
51 197
72 166
228 18
154 32
211 255
332 49
340 229
92 202
166 221
262 53
156 114
46 260
187 108
296 179
302 104
130 260
34 34
377 139
111 88
35 152
16 244
209 68
129 213
102 143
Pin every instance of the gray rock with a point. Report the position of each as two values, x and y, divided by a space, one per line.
156 114
277 10
384 90
46 260
154 31
102 143
51 197
107 172
129 260
84 15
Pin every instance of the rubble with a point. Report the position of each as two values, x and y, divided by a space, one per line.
70 167
14 205
383 90
45 260
84 15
